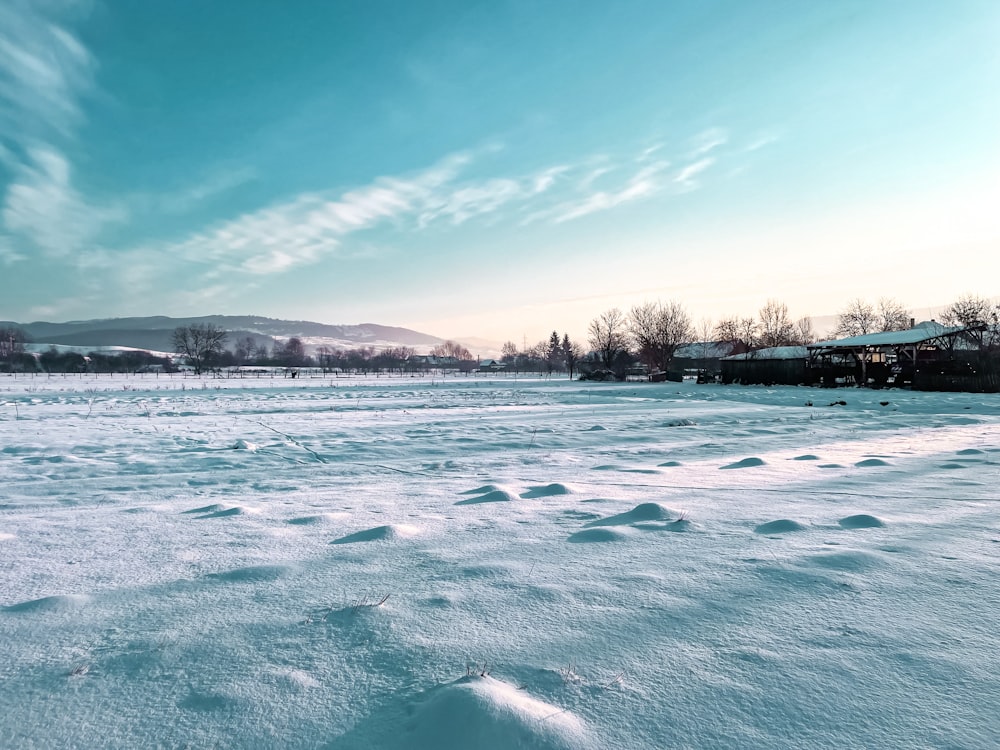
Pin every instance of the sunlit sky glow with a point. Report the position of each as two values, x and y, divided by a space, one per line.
494 169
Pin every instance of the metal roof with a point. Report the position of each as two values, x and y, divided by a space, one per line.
917 335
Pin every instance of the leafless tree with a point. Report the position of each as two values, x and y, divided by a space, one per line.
246 350
200 343
657 330
975 312
509 352
292 353
608 336
705 332
804 333
776 328
452 349
892 316
12 342
857 319
742 332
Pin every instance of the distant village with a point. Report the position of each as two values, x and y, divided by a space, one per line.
875 345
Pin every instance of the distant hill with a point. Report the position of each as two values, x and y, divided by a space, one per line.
154 333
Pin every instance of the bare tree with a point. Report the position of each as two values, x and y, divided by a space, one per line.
452 349
508 353
292 353
977 313
657 330
857 319
608 337
200 343
804 333
727 329
742 332
892 316
12 342
245 350
776 328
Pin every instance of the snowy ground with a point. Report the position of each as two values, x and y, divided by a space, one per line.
206 564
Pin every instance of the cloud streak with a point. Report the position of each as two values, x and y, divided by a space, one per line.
311 226
43 207
45 72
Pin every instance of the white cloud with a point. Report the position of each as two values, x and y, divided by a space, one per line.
43 207
189 198
8 255
708 140
648 153
44 71
643 183
310 227
685 177
547 178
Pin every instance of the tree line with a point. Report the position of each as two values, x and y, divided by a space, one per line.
649 334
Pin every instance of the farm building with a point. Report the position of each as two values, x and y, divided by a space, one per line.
928 356
779 365
703 356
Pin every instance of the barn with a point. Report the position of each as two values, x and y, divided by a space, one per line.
779 365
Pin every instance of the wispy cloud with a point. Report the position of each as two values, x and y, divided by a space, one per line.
189 198
43 207
8 255
45 72
641 184
319 225
708 140
685 177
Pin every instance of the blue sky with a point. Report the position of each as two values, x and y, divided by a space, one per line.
494 169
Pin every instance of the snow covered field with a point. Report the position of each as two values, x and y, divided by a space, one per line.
309 564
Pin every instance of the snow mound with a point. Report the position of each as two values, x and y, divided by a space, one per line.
213 508
49 604
746 463
379 533
547 490
680 525
227 513
970 452
872 462
494 496
781 526
806 457
483 490
252 573
487 714
596 428
642 512
244 445
588 536
861 521
306 520
671 463
853 561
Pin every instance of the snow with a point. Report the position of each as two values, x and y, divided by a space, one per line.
926 331
467 562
